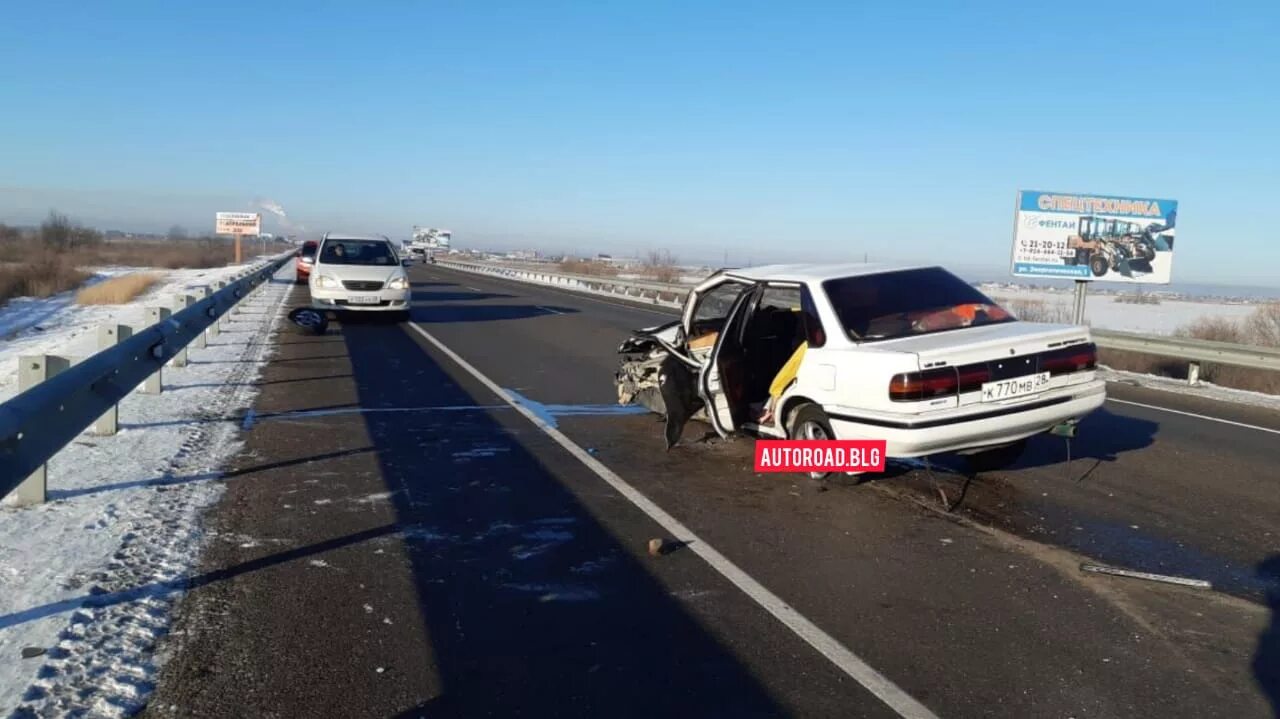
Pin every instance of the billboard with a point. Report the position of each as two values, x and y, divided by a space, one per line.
1093 237
237 223
431 237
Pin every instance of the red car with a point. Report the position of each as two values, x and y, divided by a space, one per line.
306 258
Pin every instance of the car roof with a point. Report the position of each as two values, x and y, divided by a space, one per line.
816 272
339 236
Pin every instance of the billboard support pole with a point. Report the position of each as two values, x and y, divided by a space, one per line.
238 255
1082 289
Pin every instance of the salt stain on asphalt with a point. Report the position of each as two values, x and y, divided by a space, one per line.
557 592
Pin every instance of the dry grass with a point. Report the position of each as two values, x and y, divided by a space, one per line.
593 268
117 290
42 278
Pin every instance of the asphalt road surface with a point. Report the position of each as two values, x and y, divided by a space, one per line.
451 517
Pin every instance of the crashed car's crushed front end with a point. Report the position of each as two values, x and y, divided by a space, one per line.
655 375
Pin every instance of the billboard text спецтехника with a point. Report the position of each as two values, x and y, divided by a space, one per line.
1093 237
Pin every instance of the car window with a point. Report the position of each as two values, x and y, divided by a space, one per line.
309 250
713 307
909 302
356 252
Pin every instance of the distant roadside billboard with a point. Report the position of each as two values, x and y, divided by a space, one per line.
238 223
1093 237
431 237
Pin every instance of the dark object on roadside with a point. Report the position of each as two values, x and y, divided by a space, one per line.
309 320
32 652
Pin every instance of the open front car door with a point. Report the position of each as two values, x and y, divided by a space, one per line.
721 378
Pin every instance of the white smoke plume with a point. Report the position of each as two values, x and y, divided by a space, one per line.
277 209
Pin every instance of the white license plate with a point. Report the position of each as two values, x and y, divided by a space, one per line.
363 299
1016 387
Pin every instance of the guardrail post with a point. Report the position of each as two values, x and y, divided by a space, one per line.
202 294
155 383
33 370
181 302
216 327
109 336
1193 373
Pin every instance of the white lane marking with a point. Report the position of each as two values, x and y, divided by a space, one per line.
473 289
670 313
1197 416
548 309
851 664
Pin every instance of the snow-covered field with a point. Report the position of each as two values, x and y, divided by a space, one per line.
1104 311
88 579
58 326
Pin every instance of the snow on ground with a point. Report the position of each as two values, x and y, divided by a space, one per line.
57 325
88 579
1105 312
1203 389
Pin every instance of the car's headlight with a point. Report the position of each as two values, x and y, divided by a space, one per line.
398 283
326 282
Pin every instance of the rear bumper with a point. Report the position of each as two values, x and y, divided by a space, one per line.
991 426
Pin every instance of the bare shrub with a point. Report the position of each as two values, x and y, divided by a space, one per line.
1216 329
662 266
43 278
117 290
1263 326
1030 310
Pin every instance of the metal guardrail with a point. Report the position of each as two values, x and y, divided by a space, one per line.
39 422
1193 351
658 293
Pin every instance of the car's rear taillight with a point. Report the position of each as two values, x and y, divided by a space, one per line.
916 386
972 377
1069 359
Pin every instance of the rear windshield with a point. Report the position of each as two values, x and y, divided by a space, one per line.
309 249
909 302
356 252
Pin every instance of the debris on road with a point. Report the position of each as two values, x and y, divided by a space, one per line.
1167 579
32 652
655 547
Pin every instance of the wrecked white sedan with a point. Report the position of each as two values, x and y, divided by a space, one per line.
909 354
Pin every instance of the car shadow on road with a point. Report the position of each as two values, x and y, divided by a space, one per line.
1266 660
437 314
1102 437
544 612
457 296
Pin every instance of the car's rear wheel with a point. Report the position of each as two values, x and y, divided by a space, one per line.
808 421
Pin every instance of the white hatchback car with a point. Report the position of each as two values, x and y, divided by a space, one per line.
909 354
359 274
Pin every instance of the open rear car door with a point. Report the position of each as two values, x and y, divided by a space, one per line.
721 379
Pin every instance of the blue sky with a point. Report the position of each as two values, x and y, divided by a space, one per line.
762 130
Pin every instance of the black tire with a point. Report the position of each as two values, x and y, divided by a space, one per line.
808 421
1098 265
309 321
998 458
